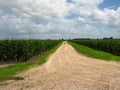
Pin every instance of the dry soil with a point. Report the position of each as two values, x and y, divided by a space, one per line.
68 70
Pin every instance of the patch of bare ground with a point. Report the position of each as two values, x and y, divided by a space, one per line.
68 70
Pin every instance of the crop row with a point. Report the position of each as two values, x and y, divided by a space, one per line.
22 50
111 46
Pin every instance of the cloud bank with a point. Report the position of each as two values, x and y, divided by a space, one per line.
55 19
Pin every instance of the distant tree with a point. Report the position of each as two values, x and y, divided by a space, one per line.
108 38
105 38
111 37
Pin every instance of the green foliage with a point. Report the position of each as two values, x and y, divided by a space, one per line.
7 73
22 50
111 46
89 52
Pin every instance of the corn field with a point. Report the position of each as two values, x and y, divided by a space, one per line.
111 46
22 50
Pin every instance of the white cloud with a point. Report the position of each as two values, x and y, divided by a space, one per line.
47 19
44 9
81 19
108 17
85 11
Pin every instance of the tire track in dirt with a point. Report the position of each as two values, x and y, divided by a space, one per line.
68 70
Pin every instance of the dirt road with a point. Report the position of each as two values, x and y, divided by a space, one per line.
68 70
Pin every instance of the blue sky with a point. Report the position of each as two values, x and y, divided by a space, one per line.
113 4
57 19
70 1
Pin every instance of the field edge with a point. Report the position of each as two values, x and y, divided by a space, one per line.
92 53
7 73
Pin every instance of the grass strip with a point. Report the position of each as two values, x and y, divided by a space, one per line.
89 52
48 54
7 73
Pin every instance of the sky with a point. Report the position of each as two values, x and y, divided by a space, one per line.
57 19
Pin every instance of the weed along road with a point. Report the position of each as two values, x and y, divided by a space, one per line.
68 70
